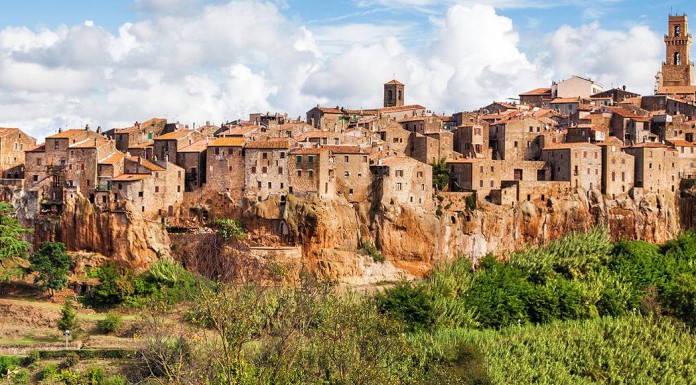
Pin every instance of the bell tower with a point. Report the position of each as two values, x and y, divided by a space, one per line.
393 94
677 69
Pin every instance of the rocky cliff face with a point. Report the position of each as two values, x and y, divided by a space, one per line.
125 237
330 237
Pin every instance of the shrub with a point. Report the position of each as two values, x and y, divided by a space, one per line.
109 324
114 380
71 359
408 304
471 202
229 228
51 263
682 299
32 357
94 375
372 251
48 372
68 319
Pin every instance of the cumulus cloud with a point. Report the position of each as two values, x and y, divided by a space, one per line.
224 60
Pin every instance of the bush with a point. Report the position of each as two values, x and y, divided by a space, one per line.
109 324
682 299
372 251
94 375
229 228
471 202
71 359
48 372
68 319
408 304
32 357
114 380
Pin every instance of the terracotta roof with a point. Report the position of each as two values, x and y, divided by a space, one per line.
113 158
314 134
568 146
394 82
198 146
227 142
66 134
309 151
649 145
130 177
395 161
626 113
640 119
146 163
148 123
39 148
565 100
412 119
239 131
537 92
277 143
681 143
89 143
174 135
143 145
330 110
345 149
402 108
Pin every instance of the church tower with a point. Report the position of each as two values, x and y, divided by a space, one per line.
678 70
393 94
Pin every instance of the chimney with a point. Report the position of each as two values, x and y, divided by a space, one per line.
95 142
98 129
60 129
207 122
86 127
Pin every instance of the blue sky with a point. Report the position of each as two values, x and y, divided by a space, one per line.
112 62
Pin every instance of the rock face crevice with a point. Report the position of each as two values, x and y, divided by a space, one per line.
328 237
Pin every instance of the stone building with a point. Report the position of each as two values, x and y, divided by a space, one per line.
192 158
324 118
629 126
393 94
575 87
618 169
225 162
578 163
81 169
140 133
566 106
351 168
486 175
431 147
422 124
677 69
156 190
517 139
266 168
396 140
686 151
310 172
656 167
166 146
402 180
534 98
13 144
107 169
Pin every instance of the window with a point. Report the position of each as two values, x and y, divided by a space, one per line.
140 194
264 170
399 173
178 189
217 150
299 173
36 178
481 183
613 176
677 30
270 185
299 159
584 154
38 162
514 144
364 158
311 173
346 174
350 191
398 186
491 184
282 154
345 158
55 144
253 169
264 155
156 189
183 156
280 171
258 184
419 174
310 158
422 187
677 59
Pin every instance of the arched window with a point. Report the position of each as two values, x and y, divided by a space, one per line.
677 58
677 30
399 94
389 95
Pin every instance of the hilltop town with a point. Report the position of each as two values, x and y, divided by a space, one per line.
569 138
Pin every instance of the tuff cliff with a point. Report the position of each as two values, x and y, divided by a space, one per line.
330 237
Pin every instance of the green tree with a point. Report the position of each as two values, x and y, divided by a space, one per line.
12 247
51 263
408 304
441 175
68 317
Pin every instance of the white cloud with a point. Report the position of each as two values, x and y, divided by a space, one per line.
226 60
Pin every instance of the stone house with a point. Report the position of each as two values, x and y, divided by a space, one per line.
140 133
686 151
656 167
585 133
472 140
325 118
156 190
618 169
403 180
535 97
401 112
351 167
629 126
517 139
498 107
310 172
192 159
574 87
13 144
422 124
486 175
566 106
266 168
431 147
578 163
81 169
397 141
617 95
225 162
166 146
107 169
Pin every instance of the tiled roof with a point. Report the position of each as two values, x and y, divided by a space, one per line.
277 143
567 146
649 145
198 146
394 82
681 143
130 177
149 123
39 148
66 134
143 145
537 92
89 143
146 163
402 108
227 142
314 134
174 135
309 151
113 158
395 161
239 130
6 131
345 149
565 100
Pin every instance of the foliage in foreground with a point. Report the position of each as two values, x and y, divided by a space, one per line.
51 264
